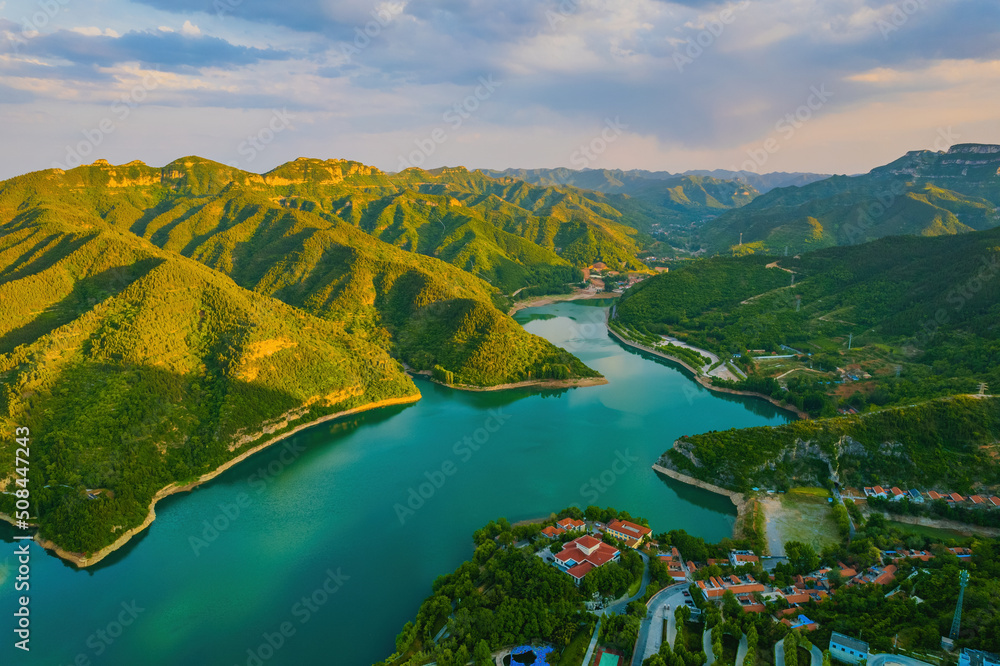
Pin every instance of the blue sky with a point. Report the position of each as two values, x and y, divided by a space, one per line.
833 86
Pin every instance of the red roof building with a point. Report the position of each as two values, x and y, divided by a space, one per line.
934 495
955 497
994 500
978 499
585 550
553 532
628 532
571 524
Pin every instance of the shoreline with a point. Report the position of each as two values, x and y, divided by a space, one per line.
578 382
705 381
82 561
581 295
742 502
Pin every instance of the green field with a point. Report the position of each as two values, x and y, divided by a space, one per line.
799 516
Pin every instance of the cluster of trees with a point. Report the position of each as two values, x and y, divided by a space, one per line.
973 515
920 296
932 444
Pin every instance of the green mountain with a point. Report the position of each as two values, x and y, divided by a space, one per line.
158 323
948 444
923 193
885 322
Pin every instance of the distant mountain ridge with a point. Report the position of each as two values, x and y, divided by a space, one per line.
627 181
923 193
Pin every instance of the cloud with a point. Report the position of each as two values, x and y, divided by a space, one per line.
165 49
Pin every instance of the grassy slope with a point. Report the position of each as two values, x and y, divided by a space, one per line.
156 321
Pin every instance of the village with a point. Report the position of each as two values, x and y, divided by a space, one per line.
579 547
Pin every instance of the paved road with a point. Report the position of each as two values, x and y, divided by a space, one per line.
593 644
650 631
779 653
620 606
706 645
650 635
817 656
741 653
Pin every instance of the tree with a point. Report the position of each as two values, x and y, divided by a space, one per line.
481 655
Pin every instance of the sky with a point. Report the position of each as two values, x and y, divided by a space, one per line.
826 86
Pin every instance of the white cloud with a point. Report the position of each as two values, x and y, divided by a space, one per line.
190 29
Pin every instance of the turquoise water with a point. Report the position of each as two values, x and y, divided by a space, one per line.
322 547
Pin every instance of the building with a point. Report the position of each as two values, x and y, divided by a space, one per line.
627 531
848 650
739 558
955 497
552 532
994 500
935 495
675 564
571 524
584 553
969 657
915 496
716 586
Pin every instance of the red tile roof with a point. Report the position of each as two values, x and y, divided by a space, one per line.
570 523
955 497
897 492
580 570
994 500
575 550
933 495
632 531
551 531
978 499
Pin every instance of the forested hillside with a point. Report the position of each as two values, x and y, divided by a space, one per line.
156 323
949 443
887 322
923 193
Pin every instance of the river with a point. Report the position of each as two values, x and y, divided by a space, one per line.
316 551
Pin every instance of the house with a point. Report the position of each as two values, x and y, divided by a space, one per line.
848 650
994 500
628 532
801 622
969 657
886 576
978 499
962 552
584 553
676 566
915 496
552 532
934 495
739 558
897 494
571 524
879 491
955 497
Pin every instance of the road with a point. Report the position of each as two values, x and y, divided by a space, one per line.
779 653
619 607
817 656
706 645
650 632
741 653
593 644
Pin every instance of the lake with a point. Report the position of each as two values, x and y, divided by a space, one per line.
320 548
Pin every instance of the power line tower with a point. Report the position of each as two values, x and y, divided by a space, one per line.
982 388
963 580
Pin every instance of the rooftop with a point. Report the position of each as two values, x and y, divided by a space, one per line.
849 643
